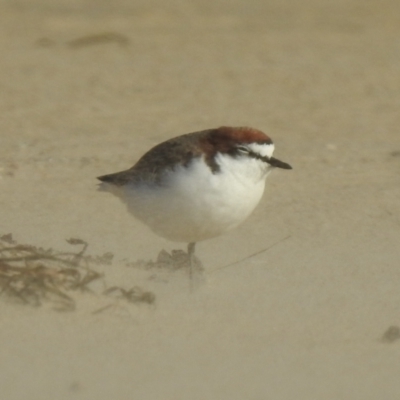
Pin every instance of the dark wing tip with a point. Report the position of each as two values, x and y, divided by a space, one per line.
118 179
104 178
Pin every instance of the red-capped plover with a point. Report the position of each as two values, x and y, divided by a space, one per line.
199 185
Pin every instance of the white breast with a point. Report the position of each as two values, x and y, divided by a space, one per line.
194 204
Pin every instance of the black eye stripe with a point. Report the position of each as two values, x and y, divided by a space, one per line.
257 156
273 162
251 153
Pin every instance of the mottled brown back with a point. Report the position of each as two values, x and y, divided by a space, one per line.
159 159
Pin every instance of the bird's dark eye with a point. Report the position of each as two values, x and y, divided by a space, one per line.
242 149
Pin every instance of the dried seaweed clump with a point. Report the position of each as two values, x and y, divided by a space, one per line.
33 275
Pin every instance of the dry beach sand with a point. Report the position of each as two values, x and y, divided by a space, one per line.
87 87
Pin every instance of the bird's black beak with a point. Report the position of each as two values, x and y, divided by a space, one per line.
274 162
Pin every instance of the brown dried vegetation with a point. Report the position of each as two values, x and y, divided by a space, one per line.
33 276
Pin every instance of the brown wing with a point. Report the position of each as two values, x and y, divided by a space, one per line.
161 158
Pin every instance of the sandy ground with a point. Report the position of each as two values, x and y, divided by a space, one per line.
87 87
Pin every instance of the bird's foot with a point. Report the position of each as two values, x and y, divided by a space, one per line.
179 259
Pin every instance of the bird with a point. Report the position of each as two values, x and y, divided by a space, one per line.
198 185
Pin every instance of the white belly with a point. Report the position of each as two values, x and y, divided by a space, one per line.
194 204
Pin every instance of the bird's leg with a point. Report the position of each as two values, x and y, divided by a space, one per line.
195 267
191 248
